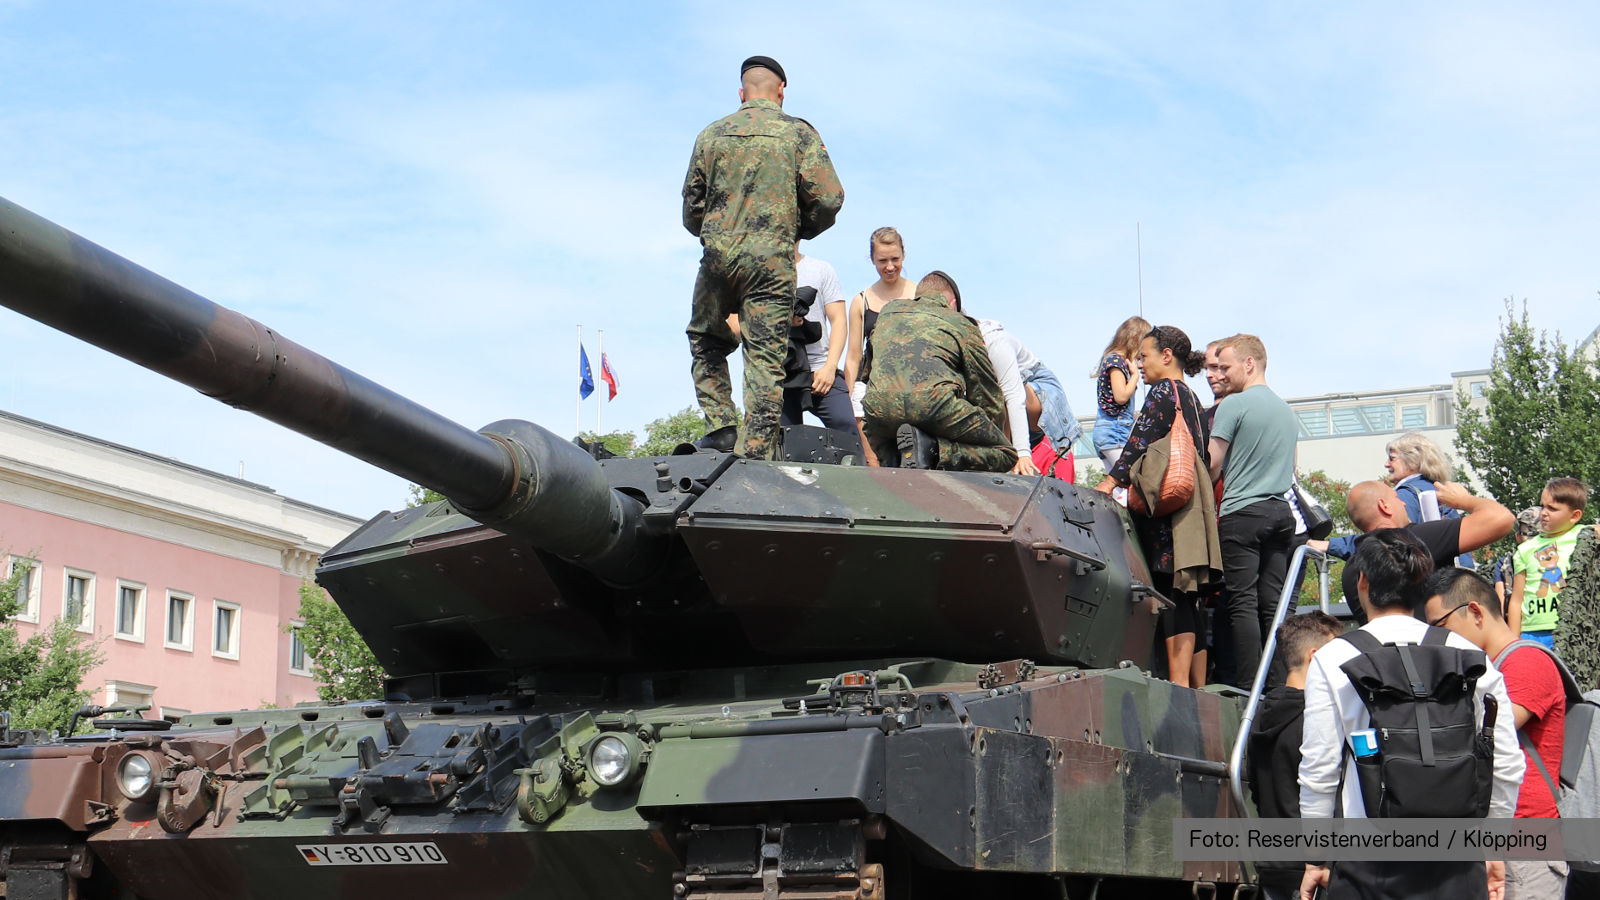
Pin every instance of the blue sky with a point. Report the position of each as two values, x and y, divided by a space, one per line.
436 195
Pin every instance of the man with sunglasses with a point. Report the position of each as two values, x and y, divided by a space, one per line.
1464 603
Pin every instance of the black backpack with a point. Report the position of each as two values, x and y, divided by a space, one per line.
1432 761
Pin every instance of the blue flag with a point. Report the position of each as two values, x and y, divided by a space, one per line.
585 377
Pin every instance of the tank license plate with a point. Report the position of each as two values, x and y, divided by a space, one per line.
405 854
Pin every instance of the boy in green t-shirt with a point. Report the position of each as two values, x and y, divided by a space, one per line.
1541 562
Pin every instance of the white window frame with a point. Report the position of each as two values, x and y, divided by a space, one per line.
233 628
295 625
172 713
85 622
28 605
117 691
137 634
187 644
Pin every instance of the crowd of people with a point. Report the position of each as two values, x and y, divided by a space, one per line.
1211 491
1427 618
1452 654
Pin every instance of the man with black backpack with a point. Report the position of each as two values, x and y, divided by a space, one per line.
1466 604
1436 734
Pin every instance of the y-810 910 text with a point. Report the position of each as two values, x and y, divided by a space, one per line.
412 853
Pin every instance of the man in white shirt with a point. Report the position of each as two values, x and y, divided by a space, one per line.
1391 567
830 399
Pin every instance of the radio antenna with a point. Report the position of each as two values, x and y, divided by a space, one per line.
1138 243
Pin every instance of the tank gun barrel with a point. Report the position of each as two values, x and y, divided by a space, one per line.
515 475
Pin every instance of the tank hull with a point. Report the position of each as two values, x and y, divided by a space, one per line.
934 772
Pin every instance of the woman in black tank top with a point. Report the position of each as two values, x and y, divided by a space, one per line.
887 251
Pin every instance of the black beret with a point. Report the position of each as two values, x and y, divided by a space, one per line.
764 62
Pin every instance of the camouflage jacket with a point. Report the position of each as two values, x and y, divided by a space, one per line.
922 342
760 173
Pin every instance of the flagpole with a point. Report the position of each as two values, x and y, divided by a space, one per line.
600 396
577 418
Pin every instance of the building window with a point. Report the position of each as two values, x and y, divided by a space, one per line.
1085 444
1478 389
1413 417
180 620
130 611
26 571
225 629
172 713
1374 418
298 663
137 697
1379 417
77 605
1313 422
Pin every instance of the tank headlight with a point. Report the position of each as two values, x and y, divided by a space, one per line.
615 760
136 777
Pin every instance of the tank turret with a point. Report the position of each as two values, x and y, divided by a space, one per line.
546 557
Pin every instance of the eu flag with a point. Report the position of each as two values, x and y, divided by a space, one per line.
585 377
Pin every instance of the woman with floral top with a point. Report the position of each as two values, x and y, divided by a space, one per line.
1164 357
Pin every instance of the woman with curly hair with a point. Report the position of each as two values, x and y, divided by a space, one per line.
1164 358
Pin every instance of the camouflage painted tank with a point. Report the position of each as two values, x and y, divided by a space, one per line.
694 676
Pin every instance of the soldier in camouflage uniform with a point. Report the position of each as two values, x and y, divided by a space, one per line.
931 369
758 182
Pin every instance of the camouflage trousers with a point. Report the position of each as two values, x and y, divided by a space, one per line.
759 285
968 438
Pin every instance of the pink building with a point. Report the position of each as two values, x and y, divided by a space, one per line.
186 578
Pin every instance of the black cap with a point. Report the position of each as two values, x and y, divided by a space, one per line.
763 62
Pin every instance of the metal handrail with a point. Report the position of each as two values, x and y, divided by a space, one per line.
1236 758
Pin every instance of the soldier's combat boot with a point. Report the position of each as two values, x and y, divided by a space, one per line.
918 449
721 439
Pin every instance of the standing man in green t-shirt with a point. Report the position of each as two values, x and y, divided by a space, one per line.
1541 562
1252 450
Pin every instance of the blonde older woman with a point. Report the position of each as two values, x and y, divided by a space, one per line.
1415 464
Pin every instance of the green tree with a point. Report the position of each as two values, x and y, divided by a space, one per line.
1331 493
1089 473
341 661
622 443
1540 417
41 677
421 496
669 431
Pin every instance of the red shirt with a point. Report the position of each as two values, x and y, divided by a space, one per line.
1535 685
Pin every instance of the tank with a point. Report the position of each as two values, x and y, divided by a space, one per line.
693 677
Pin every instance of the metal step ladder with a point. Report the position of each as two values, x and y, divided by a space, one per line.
1286 602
